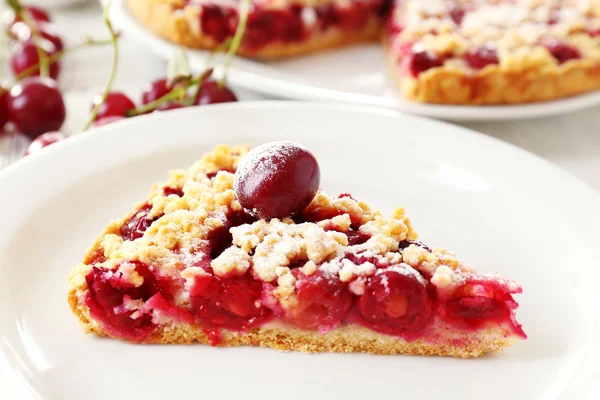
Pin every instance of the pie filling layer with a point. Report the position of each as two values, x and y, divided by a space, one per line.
316 272
288 24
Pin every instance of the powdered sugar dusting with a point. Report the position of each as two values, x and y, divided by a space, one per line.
406 270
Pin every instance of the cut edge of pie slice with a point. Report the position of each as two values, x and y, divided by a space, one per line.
275 30
190 265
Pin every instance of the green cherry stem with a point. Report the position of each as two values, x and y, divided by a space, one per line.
175 94
21 12
57 56
113 39
237 39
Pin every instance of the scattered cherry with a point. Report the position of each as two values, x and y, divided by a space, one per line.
423 60
36 13
116 105
106 121
23 32
480 57
3 107
562 51
155 90
44 140
212 93
277 180
25 55
36 106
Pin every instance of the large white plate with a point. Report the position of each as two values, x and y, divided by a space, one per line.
498 207
352 75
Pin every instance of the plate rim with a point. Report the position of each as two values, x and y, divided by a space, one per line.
47 155
278 87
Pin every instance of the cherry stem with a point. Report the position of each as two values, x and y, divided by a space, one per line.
21 12
113 39
57 56
237 39
175 94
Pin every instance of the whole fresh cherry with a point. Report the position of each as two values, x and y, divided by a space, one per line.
212 93
116 105
25 55
277 180
36 106
43 141
155 90
23 32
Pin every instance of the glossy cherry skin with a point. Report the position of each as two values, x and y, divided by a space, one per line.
36 106
423 60
155 90
43 141
116 105
480 57
3 107
25 55
36 13
277 180
23 32
211 93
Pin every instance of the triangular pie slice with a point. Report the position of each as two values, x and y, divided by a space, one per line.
189 264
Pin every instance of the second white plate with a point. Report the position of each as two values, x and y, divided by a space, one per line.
352 75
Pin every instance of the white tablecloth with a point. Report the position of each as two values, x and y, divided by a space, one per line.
570 141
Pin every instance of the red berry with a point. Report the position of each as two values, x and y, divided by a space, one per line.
36 13
44 140
36 106
3 107
396 302
106 121
211 93
480 57
457 14
277 180
423 60
23 32
25 55
116 105
475 307
562 51
155 90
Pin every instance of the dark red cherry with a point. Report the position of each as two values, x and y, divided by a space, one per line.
36 13
423 60
23 32
562 51
43 141
36 106
3 107
25 55
480 57
155 90
277 180
396 302
457 14
116 105
211 93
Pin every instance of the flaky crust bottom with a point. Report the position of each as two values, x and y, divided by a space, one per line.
346 339
182 28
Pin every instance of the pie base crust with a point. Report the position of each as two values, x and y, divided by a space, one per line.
346 339
160 18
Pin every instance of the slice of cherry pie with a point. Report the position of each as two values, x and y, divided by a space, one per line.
244 249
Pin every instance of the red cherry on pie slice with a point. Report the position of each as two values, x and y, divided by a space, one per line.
245 249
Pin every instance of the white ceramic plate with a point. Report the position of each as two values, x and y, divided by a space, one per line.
498 207
352 75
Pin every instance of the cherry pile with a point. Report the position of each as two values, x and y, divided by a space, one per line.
34 105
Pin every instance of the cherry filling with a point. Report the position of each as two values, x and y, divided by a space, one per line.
137 224
107 293
480 57
170 190
220 239
323 301
290 24
395 302
562 51
419 61
231 303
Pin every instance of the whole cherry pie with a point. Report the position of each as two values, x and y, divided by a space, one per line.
245 249
439 51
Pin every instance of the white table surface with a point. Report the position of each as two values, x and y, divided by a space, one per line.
570 141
